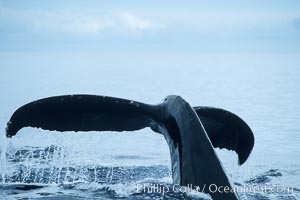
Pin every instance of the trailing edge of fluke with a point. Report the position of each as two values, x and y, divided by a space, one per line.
191 132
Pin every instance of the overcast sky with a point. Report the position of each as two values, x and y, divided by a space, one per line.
150 26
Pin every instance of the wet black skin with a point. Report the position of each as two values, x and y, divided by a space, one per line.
191 133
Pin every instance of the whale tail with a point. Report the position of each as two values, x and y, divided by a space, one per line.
191 133
100 113
227 130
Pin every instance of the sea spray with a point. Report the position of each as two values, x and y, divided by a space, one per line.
3 159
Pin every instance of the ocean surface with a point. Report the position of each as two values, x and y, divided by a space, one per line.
263 89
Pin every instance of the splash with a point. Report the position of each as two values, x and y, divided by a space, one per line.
3 159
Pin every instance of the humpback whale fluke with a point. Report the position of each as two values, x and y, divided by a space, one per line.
191 133
227 130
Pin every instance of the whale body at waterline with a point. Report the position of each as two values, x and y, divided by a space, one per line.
191 132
